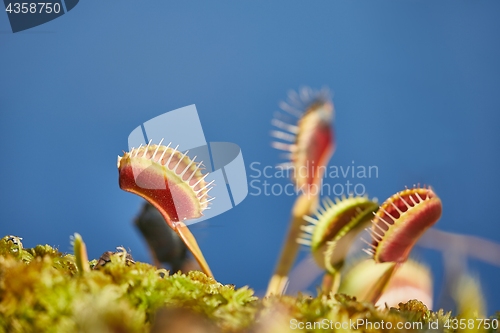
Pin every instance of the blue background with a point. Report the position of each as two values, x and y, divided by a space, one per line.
415 89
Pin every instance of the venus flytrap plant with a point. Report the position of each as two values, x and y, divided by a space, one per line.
171 182
401 220
332 231
309 145
398 224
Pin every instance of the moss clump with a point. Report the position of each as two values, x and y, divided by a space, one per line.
41 290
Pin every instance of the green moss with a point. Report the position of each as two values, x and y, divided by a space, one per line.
41 291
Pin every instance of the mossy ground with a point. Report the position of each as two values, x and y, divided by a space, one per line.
41 290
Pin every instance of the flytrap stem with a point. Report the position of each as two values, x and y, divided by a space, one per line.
378 288
331 282
158 174
304 204
185 234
